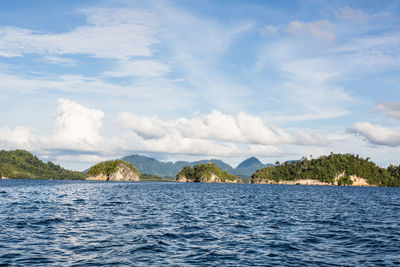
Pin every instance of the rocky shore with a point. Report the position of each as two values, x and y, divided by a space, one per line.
357 181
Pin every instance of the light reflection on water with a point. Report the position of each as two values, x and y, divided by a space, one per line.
148 223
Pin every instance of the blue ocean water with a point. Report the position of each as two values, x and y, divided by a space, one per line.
67 223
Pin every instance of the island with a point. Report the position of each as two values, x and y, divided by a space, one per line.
20 164
334 169
205 173
113 170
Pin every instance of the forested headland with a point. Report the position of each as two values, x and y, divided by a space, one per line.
333 169
20 164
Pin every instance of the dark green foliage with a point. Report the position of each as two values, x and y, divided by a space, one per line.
345 180
326 168
109 167
22 164
394 171
202 172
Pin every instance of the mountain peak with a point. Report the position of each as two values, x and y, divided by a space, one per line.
249 162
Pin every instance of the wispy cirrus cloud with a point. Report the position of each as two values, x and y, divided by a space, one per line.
111 34
355 15
322 29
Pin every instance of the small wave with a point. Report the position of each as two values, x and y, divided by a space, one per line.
48 221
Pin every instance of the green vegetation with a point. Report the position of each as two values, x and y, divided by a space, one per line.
23 165
326 168
203 172
154 178
168 169
109 167
247 167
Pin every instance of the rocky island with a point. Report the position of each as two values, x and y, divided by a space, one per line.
113 170
335 169
205 173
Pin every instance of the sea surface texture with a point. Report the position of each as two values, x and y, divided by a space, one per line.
67 223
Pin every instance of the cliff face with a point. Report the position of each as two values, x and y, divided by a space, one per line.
355 181
113 171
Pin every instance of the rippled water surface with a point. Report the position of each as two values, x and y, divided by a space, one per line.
62 223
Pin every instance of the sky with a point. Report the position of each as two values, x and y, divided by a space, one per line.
86 81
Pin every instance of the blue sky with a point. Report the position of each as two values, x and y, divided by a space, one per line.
84 81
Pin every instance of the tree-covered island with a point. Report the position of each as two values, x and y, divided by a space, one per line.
205 173
113 170
335 169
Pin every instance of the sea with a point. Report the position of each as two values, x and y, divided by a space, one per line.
82 223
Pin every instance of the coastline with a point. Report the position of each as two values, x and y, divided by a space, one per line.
357 181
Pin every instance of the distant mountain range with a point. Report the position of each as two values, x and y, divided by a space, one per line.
170 169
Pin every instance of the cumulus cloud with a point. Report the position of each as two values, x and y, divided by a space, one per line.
20 137
76 126
76 136
376 134
215 126
174 143
392 109
322 29
146 127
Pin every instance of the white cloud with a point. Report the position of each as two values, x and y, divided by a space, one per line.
215 126
311 139
146 127
115 16
59 60
351 14
76 136
20 137
377 135
392 109
196 46
310 92
369 51
85 158
77 126
112 35
262 151
322 29
174 143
